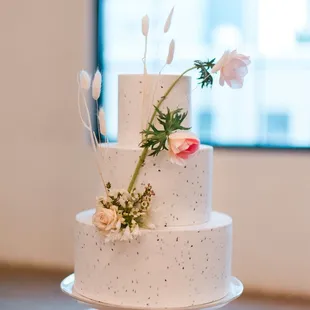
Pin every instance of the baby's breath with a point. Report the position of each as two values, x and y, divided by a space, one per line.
131 208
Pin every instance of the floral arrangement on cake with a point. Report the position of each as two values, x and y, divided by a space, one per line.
121 213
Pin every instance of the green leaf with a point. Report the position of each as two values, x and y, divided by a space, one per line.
205 77
156 138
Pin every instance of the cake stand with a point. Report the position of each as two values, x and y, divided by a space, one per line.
236 289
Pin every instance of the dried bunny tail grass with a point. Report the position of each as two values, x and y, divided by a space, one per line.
79 105
93 138
96 85
171 52
102 123
145 25
168 21
84 80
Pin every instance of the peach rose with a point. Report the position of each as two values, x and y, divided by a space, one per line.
233 68
181 145
105 219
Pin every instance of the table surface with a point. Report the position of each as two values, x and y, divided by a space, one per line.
39 290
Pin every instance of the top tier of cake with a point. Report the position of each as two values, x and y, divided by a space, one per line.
137 95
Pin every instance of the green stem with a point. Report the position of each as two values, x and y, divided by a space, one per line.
145 150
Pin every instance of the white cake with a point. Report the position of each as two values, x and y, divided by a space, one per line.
186 259
169 267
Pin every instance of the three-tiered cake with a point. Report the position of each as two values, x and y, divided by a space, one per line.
153 240
186 259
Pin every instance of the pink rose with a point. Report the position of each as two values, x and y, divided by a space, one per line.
105 219
181 145
233 68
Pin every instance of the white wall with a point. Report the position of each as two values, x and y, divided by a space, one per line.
267 194
45 167
47 173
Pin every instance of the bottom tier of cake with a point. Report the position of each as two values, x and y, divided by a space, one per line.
170 267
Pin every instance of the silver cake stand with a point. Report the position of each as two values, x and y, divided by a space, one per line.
236 289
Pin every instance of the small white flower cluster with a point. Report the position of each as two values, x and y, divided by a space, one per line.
121 214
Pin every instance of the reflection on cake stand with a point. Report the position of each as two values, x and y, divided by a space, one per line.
68 283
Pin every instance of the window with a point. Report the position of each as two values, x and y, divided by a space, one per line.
205 122
272 109
275 128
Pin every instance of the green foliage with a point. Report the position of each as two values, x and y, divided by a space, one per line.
156 138
205 77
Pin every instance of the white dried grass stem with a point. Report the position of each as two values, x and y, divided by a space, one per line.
171 52
168 21
144 57
79 109
143 99
163 68
90 125
98 125
96 85
103 151
145 32
96 145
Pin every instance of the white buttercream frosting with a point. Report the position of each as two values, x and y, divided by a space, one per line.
137 95
170 267
182 194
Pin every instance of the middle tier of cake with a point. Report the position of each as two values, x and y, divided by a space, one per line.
182 193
